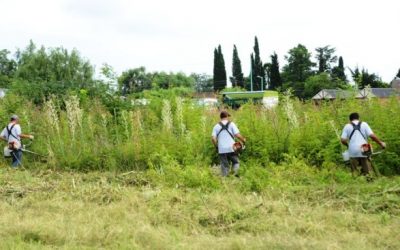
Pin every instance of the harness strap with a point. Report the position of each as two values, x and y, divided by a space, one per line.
357 128
225 127
9 131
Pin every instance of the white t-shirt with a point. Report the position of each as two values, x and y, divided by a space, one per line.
225 141
15 134
358 139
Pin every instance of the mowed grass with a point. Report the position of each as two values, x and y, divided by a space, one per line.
43 209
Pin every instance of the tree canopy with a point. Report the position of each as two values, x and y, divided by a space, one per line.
338 72
299 64
257 67
219 70
273 73
7 68
237 73
325 57
363 78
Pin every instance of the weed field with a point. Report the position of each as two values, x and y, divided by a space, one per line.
136 210
147 178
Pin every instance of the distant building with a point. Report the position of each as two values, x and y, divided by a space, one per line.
333 94
396 83
3 93
377 92
140 102
207 99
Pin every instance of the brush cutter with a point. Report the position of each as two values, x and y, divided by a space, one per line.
31 152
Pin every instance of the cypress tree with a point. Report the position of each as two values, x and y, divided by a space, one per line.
257 67
251 77
398 74
237 73
339 71
219 70
275 78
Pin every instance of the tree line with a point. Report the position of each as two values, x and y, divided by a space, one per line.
39 72
301 73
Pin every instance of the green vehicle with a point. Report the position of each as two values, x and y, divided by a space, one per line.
237 99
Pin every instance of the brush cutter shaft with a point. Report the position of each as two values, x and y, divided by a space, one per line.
31 152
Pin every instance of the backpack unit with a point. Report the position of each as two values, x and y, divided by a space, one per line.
237 147
356 128
12 146
366 149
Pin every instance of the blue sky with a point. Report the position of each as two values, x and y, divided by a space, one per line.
179 35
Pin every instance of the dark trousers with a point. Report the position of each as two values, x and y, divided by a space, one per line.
16 158
226 160
364 162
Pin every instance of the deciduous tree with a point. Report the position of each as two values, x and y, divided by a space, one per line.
7 68
325 56
134 80
299 65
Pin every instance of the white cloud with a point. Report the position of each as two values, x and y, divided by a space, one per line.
181 35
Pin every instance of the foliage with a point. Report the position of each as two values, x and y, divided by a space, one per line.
273 73
237 74
325 56
338 72
134 81
398 74
7 68
171 80
299 66
54 66
363 79
316 83
173 130
219 76
202 82
257 68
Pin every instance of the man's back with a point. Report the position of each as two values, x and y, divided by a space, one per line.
358 137
225 140
15 130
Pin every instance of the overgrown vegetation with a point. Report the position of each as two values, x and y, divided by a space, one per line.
287 206
82 134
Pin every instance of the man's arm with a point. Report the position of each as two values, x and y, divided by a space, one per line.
377 140
214 141
26 136
344 137
371 135
241 138
344 142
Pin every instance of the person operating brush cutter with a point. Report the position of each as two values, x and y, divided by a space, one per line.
355 136
12 134
223 138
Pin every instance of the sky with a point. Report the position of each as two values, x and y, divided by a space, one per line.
179 35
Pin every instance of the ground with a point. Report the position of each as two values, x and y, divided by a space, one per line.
43 209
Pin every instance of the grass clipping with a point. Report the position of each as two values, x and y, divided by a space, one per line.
46 209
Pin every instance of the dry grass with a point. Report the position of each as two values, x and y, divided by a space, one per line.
45 209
